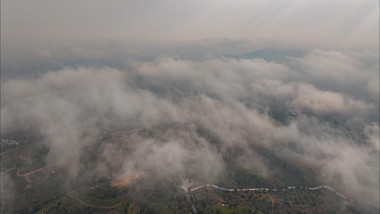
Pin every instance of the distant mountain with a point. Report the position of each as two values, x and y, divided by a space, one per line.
269 54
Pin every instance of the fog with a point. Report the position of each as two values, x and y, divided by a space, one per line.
172 85
233 99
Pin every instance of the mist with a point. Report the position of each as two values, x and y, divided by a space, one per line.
181 91
235 100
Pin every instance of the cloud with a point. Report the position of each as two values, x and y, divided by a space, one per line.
327 102
197 113
80 74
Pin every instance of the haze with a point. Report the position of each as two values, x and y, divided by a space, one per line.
299 79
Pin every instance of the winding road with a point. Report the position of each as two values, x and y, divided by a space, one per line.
267 189
185 187
28 173
98 206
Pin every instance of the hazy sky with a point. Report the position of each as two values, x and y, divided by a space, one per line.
294 22
160 62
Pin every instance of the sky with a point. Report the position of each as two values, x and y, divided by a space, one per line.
42 35
295 22
71 68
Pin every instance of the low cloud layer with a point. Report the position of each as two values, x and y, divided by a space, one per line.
319 110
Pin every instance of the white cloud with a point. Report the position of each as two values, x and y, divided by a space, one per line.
218 105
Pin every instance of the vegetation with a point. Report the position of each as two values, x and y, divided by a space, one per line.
49 190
